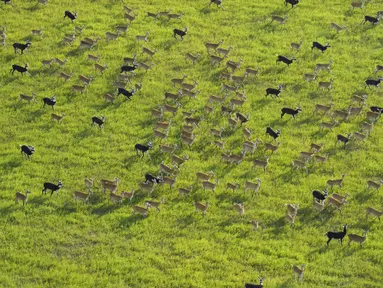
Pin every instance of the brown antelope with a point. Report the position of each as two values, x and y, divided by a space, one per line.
214 98
111 36
318 158
357 238
254 224
208 109
239 80
161 135
325 85
328 125
88 183
48 62
157 113
318 206
37 32
227 88
273 148
323 108
189 86
65 76
184 191
316 147
116 198
154 204
361 99
175 16
192 58
359 136
28 98
177 160
373 212
128 195
298 164
253 186
169 181
320 66
77 195
240 208
193 121
251 71
232 186
249 146
166 169
164 13
128 9
373 184
261 163
57 118
336 203
129 17
85 44
296 46
85 80
353 111
201 207
233 65
232 122
109 98
130 60
310 77
337 27
298 272
237 102
337 182
292 209
290 218
279 19
358 4
168 149
141 210
307 156
201 176
100 68
122 28
111 185
219 144
236 158
61 63
247 132
185 92
147 187
224 52
163 125
207 185
145 66
372 116
21 197
171 109
212 46
78 29
378 67
93 57
217 133
178 81
187 140
225 76
367 127
339 197
78 88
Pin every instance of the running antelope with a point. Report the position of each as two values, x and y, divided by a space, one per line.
177 160
201 207
141 210
109 98
316 147
169 181
357 238
61 63
193 58
298 164
290 218
361 99
201 176
236 158
331 201
296 46
249 146
337 27
100 68
310 77
319 67
147 187
128 195
209 185
21 197
88 183
166 169
154 204
143 37
373 212
111 185
85 80
65 76
253 186
48 62
323 108
232 186
318 158
57 118
279 19
247 132
367 127
111 36
161 135
28 98
116 198
78 88
77 195
252 71
273 148
328 125
337 182
292 209
212 46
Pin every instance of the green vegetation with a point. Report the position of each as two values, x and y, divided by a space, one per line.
56 242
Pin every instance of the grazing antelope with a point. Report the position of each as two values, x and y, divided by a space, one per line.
21 197
240 208
77 195
253 186
201 207
357 238
298 164
298 271
111 185
57 118
128 195
337 182
28 98
373 212
193 58
65 76
232 186
279 19
88 183
261 163
141 210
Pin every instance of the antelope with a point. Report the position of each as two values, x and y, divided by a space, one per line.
143 37
252 71
128 195
201 176
166 169
145 66
65 76
253 186
169 181
372 116
298 164
261 163
254 224
309 77
296 46
233 65
232 186
328 125
337 27
111 185
290 218
359 99
187 140
155 204
109 98
189 86
111 36
130 60
247 132
193 121
116 198
224 52
339 197
88 183
85 80
325 109
129 17
78 29
307 156
128 9
249 146
318 158
141 210
213 46
168 149
292 209
240 208
157 113
58 118
164 13
61 63
122 28
320 67
360 136
373 184
325 85
279 19
185 92
337 182
214 98
232 122
378 67
184 191
85 44
219 144
21 197
341 114
227 88
357 238
163 125
208 109
239 80
187 134
335 203
298 271
367 127
78 88
236 158
77 195
216 132
216 60
318 206
201 207
160 134
147 187
175 16
316 147
273 148
373 212
171 109
193 58
28 98
357 4
48 62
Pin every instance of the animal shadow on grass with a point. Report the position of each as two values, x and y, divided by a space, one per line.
105 209
12 164
131 220
82 134
74 53
185 221
314 94
67 208
128 161
33 8
279 225
364 196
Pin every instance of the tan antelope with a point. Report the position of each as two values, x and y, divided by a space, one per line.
149 52
354 111
339 197
65 76
298 271
279 19
318 158
116 198
163 125
85 80
28 98
111 185
93 57
178 81
361 99
307 156
323 108
373 184
252 71
168 149
273 148
219 144
261 163
160 134
292 209
298 164
328 125
111 36
169 181
171 109
318 206
213 46
78 88
233 65
92 41
337 182
175 16
232 122
249 146
357 4
78 29
217 133
325 85
157 113
37 32
129 17
372 116
309 77
239 80
187 140
141 210
207 185
290 218
253 186
85 44
247 132
88 183
177 160
21 197
128 9
228 88
201 207
367 127
214 98
336 203
143 37
337 27
48 62
201 176
109 98
145 66
100 68
164 13
84 197
254 224
122 28
373 212
225 76
296 46
236 158
193 58
57 118
319 66
128 195
166 169
343 115
224 52
360 136
240 208
189 86
193 121
237 102
154 204
316 147
69 40
184 191
232 186
61 63
191 94
357 238
147 187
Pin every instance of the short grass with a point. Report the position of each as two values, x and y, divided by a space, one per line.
56 242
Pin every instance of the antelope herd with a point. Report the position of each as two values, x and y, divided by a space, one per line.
231 85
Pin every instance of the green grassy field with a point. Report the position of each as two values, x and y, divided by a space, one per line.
56 242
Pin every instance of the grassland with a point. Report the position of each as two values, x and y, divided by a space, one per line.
55 242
